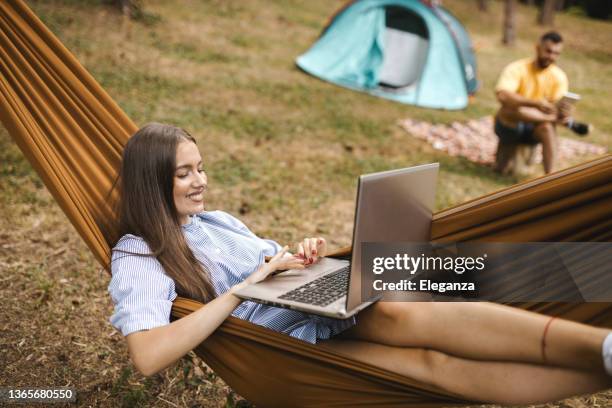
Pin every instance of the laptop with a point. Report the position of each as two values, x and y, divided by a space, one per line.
391 206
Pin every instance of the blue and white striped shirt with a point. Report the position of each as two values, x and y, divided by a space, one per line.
230 252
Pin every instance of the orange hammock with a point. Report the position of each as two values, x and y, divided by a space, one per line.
72 132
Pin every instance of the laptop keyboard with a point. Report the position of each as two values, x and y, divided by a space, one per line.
321 291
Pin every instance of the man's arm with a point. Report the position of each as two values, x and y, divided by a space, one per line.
566 108
514 101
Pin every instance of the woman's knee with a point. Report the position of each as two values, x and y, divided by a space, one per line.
436 363
398 319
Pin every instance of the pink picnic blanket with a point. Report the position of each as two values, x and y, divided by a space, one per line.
476 141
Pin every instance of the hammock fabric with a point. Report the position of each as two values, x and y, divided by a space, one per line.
72 133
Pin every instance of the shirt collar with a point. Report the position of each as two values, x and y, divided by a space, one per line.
190 224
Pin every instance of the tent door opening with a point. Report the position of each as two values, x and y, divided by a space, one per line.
405 50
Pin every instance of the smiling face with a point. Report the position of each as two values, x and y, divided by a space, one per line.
190 181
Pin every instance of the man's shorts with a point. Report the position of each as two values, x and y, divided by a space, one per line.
521 134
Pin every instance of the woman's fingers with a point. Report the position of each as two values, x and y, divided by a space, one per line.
280 253
281 261
313 249
307 250
291 262
321 246
297 264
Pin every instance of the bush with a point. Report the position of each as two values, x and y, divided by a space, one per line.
601 9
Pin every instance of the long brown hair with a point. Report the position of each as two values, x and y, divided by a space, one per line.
147 208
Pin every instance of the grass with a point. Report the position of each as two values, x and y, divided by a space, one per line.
282 150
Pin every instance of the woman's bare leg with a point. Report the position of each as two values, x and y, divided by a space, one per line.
486 381
481 331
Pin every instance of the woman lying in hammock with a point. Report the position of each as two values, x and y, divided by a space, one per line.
169 244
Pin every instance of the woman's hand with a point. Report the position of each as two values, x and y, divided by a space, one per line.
280 261
310 249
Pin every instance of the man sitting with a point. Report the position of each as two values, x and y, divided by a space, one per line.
530 91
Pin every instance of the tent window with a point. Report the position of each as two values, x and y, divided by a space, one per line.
405 53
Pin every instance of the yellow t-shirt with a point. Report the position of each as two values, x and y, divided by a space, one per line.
523 78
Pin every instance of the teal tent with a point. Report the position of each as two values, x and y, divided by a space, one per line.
409 51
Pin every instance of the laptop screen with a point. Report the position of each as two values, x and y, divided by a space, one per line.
391 206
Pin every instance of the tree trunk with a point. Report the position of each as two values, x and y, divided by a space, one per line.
546 16
509 23
561 5
483 5
130 8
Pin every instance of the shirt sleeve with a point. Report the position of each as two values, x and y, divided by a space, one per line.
141 292
273 247
269 246
232 221
510 79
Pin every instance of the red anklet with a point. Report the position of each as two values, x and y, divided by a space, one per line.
544 339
